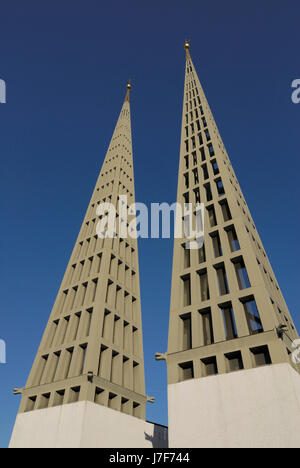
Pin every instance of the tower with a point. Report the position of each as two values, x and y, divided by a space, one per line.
231 379
87 385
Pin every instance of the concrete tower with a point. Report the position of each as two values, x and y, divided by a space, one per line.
231 380
90 360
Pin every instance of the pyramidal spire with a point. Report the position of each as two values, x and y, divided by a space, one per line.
92 348
227 312
122 132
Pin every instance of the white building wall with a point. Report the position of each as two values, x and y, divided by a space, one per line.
85 425
252 408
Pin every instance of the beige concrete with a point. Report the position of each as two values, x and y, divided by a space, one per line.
208 286
85 425
258 408
92 348
227 312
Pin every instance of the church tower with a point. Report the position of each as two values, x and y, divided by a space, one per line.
231 379
90 360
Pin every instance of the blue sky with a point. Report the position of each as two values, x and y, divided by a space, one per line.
66 64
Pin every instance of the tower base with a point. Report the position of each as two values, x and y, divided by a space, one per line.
85 425
256 408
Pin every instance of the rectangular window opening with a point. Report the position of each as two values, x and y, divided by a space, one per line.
229 322
212 216
59 397
205 172
186 256
241 273
186 290
186 371
261 356
220 187
207 327
202 254
217 248
234 361
222 280
215 167
232 239
252 316
211 150
204 286
74 394
209 366
225 210
187 331
208 191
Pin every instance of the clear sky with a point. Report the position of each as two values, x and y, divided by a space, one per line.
66 64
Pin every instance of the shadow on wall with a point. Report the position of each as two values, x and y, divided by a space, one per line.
159 439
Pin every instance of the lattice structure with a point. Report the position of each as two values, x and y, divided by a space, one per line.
227 311
92 347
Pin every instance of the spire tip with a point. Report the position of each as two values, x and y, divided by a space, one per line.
128 87
187 48
187 45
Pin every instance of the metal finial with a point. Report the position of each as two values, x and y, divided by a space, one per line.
129 86
187 44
